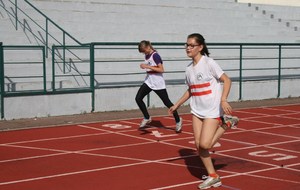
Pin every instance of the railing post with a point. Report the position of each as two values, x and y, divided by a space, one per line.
44 69
241 73
92 74
279 71
53 68
1 81
47 36
64 52
16 12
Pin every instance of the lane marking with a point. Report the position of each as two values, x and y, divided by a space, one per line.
80 152
158 134
274 156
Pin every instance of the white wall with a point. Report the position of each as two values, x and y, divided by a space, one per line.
47 105
273 2
124 99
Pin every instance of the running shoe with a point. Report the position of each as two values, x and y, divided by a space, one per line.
179 126
231 121
145 122
210 182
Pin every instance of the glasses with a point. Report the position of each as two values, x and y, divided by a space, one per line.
190 45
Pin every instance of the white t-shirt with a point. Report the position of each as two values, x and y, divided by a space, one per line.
154 80
206 89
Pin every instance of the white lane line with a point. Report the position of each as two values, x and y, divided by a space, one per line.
32 157
71 173
54 138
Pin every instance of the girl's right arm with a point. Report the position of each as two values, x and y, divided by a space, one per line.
183 99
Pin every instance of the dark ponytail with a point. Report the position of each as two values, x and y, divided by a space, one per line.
201 41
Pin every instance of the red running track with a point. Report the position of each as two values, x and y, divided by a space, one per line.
262 154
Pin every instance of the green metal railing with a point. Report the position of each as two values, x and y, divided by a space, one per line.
42 33
1 81
116 65
239 54
84 68
16 69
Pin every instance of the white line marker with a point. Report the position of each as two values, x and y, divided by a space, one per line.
160 135
276 156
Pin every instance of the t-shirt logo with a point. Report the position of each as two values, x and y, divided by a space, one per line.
199 76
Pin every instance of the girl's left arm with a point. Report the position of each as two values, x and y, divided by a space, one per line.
226 89
159 68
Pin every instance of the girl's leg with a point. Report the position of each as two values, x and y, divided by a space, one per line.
163 95
209 129
142 92
197 127
204 131
225 124
220 131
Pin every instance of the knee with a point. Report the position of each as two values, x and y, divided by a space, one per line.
138 99
202 146
205 145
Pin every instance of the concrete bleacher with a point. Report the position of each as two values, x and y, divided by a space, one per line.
119 21
288 16
168 21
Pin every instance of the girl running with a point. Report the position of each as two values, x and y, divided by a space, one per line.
208 103
153 81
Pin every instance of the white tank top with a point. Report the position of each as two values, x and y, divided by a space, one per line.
154 80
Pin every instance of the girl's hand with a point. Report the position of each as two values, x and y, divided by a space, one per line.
144 66
172 109
226 107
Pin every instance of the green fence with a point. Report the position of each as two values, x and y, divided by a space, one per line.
24 71
74 67
1 82
242 61
38 28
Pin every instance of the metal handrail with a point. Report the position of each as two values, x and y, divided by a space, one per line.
56 25
46 29
241 58
2 93
92 61
93 84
